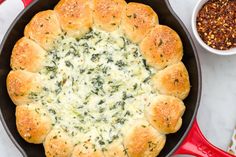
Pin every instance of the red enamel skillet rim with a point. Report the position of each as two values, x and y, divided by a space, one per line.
194 143
1 1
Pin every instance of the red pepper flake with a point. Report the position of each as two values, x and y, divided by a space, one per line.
216 24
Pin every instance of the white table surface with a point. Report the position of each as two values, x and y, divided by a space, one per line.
217 113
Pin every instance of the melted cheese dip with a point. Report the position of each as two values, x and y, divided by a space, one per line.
96 85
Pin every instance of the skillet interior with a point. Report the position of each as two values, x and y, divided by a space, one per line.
166 17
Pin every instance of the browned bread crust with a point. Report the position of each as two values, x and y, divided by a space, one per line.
107 13
173 80
142 140
58 144
137 21
33 122
75 16
162 47
22 85
44 28
165 113
27 55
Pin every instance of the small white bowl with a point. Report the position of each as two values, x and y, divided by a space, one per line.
200 41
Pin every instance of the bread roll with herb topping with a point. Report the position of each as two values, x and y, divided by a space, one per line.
143 140
107 13
44 28
165 113
27 55
33 122
23 87
86 149
162 47
137 21
58 144
116 148
75 16
173 80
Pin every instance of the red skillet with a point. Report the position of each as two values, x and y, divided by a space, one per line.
188 140
1 1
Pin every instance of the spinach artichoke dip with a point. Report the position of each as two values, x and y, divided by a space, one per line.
95 85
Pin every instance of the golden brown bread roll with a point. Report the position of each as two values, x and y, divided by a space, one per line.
143 140
165 113
116 149
75 16
86 149
27 55
23 86
173 80
162 47
44 28
137 21
58 144
107 13
33 122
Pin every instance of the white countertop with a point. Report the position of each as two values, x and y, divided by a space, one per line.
217 112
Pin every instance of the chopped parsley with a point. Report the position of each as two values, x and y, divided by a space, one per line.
97 82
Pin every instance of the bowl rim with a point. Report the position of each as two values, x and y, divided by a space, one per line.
196 9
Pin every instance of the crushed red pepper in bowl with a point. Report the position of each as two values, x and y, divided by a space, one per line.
216 24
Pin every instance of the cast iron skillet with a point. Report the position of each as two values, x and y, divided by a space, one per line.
194 139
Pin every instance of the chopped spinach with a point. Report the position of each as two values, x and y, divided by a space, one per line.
95 57
69 64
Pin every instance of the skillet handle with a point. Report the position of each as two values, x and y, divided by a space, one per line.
26 2
1 1
197 145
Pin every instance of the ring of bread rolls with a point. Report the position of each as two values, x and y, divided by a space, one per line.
160 46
